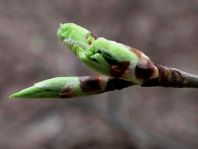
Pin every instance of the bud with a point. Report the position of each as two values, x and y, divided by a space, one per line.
108 57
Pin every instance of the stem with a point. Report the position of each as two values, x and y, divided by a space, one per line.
171 77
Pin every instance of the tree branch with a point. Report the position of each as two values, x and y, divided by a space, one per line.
171 77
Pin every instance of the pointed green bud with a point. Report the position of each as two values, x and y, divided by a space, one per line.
51 88
67 87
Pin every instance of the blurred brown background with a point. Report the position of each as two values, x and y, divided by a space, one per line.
142 118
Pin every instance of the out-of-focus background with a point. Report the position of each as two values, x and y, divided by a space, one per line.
133 118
